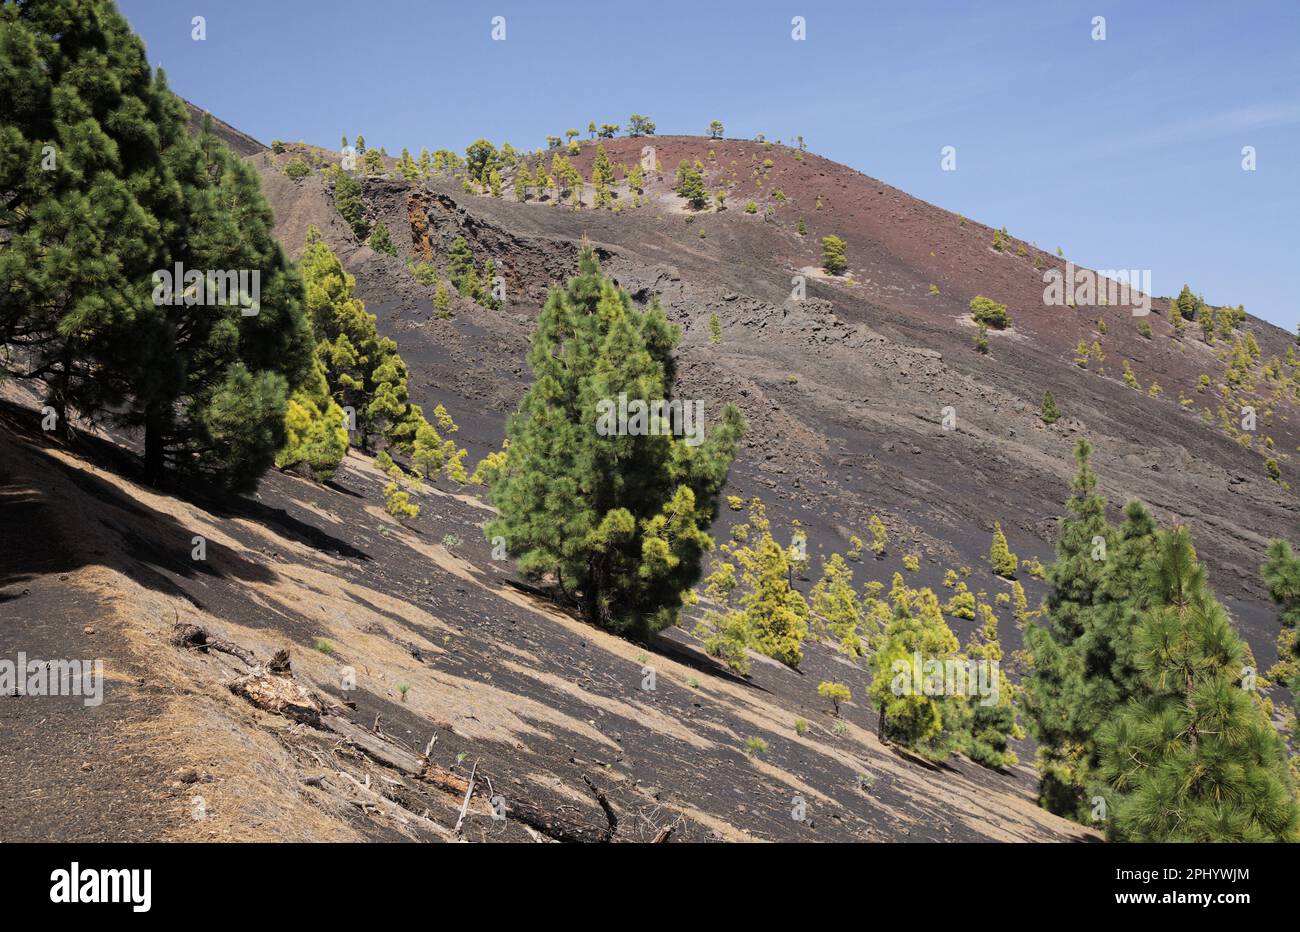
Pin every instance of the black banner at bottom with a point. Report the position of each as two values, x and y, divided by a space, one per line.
334 882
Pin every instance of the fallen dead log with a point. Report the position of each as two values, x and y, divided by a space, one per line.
557 824
273 689
278 694
396 810
373 745
193 637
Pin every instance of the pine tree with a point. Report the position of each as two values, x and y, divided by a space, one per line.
1050 413
835 692
962 603
992 722
1193 758
722 631
523 178
1050 687
1019 603
1004 561
406 166
925 720
833 259
397 502
1084 668
372 163
989 312
84 183
390 412
347 342
349 204
381 241
488 290
638 125
236 358
315 438
363 370
461 270
618 518
1180 326
430 452
491 466
566 176
1105 645
690 185
1281 574
204 365
757 610
879 537
441 301
602 176
480 158
775 614
715 328
836 611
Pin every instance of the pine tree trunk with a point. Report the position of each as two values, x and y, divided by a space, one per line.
153 445
59 402
59 393
880 726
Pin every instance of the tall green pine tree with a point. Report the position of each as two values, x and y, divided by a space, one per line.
619 521
1194 758
1051 688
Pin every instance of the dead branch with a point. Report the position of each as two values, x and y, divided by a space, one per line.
604 804
193 637
464 807
396 810
428 750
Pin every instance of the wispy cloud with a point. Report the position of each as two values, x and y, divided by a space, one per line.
1194 129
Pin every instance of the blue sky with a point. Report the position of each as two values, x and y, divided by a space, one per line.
1125 152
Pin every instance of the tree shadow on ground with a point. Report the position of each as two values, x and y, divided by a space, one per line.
44 529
